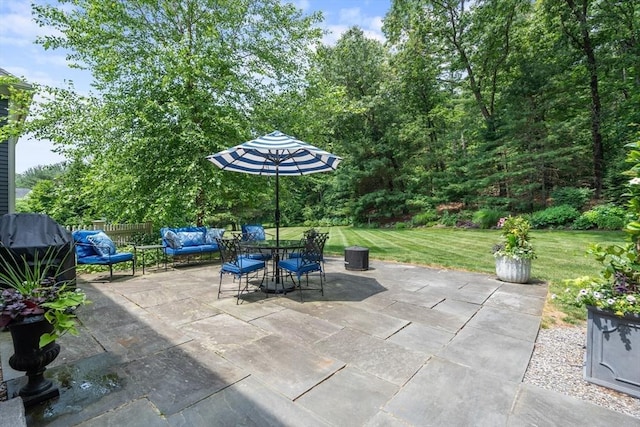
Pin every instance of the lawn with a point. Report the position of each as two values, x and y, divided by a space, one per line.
561 254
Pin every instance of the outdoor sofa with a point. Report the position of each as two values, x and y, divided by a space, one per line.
189 241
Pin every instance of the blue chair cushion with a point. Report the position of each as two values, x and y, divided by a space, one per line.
297 265
102 244
258 255
212 234
172 239
245 265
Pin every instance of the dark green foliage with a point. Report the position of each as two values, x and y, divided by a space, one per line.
603 217
488 218
555 216
575 197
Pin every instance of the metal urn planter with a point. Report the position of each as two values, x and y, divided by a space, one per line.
514 270
613 351
29 357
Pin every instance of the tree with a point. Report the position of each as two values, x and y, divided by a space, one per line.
175 82
30 177
474 42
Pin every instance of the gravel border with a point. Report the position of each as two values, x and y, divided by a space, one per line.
557 364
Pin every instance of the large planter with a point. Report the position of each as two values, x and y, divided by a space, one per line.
613 351
515 270
29 357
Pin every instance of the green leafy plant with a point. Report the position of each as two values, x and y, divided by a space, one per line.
515 238
618 287
33 291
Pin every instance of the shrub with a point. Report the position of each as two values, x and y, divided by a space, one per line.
604 217
402 225
555 216
487 218
571 196
425 218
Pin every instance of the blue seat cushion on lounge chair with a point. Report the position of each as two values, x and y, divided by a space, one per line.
106 260
244 266
298 266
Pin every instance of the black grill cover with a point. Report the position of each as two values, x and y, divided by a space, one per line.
29 235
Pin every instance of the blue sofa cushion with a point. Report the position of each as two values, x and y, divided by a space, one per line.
185 250
212 234
102 244
191 238
172 239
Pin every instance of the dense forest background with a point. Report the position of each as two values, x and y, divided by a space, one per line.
503 106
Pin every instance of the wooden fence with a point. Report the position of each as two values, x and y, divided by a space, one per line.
121 234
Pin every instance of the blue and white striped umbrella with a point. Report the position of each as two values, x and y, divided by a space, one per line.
275 154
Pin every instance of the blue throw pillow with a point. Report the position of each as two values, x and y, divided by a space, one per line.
191 238
212 235
172 239
103 245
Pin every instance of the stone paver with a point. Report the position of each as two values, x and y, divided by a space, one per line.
350 397
444 393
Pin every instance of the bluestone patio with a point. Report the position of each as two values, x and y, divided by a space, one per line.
396 345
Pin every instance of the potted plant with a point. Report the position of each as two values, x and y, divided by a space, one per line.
37 309
514 253
612 301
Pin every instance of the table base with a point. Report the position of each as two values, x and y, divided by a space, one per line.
272 287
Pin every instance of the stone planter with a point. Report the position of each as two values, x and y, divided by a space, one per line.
515 270
613 351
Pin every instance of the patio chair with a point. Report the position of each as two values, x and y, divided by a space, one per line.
237 265
306 260
322 239
94 247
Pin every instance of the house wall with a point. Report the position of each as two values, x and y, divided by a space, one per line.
5 151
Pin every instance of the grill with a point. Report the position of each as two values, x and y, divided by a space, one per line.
29 236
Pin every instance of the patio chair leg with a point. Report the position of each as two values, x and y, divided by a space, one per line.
110 272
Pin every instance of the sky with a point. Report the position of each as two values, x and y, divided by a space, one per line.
20 56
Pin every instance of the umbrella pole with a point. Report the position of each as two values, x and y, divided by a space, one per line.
277 207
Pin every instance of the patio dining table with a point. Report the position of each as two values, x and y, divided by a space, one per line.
278 250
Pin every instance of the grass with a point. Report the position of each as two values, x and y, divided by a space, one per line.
562 255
